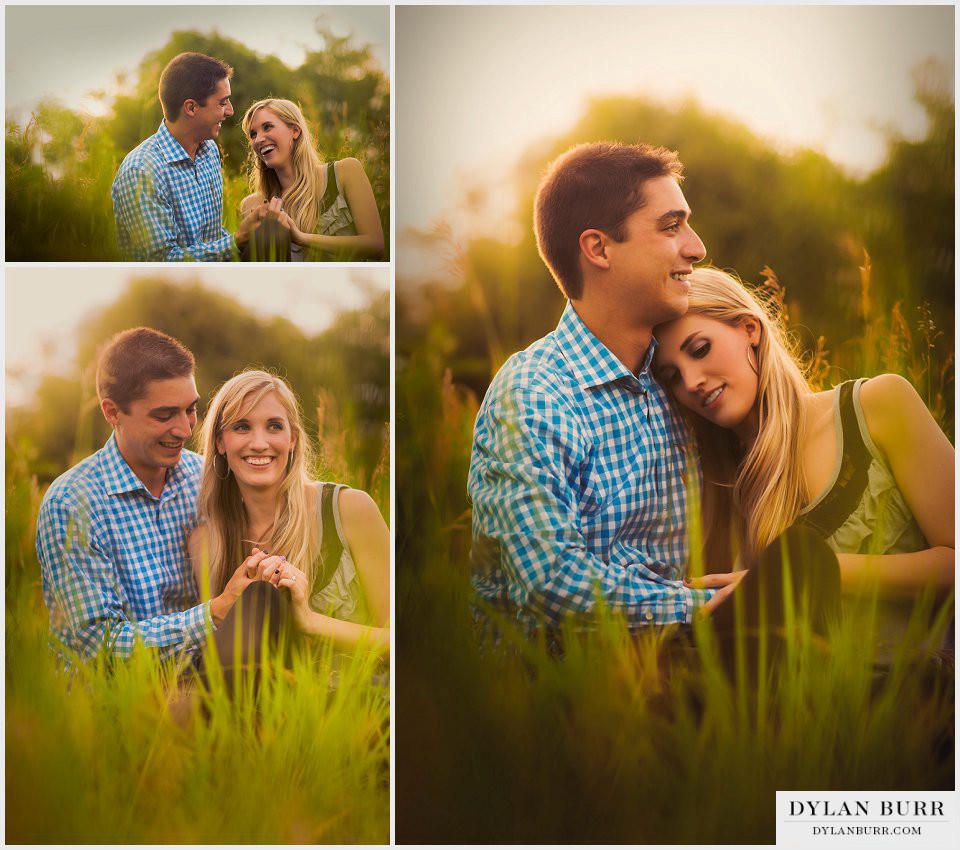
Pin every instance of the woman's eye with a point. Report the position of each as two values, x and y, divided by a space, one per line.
276 426
701 352
240 426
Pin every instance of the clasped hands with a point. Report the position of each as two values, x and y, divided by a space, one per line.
271 209
262 566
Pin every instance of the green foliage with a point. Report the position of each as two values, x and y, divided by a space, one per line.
60 166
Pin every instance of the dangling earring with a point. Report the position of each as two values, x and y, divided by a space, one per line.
216 469
754 364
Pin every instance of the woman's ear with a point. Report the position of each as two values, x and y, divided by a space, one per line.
296 132
218 443
753 329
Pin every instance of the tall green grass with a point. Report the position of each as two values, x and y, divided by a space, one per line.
630 738
103 755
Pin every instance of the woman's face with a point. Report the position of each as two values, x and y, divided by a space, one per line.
272 139
258 445
704 363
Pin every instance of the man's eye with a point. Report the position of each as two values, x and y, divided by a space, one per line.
673 228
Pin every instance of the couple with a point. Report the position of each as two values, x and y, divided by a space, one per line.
168 193
127 537
579 477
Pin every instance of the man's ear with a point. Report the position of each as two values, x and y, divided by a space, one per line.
753 329
190 107
593 246
111 411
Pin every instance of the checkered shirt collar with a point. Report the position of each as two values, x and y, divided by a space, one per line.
590 361
118 477
173 151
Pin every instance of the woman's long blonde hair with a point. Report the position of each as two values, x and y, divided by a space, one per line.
220 504
758 493
302 200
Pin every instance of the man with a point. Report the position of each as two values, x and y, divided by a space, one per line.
577 476
168 193
111 534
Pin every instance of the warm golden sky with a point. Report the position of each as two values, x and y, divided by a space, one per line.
67 51
45 304
476 85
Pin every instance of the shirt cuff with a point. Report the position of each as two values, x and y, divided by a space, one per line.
695 598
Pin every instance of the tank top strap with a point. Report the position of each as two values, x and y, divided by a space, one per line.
855 459
331 544
333 187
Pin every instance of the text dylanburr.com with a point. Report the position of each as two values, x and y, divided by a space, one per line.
867 819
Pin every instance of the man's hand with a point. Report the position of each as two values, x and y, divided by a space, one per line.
726 582
251 221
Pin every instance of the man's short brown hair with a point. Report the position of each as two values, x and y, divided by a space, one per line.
190 76
135 357
592 186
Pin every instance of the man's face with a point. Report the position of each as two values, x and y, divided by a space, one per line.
208 117
152 433
660 248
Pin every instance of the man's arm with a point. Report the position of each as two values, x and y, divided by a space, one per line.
145 215
525 485
82 583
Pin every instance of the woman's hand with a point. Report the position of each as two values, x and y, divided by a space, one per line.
243 576
725 583
296 234
281 573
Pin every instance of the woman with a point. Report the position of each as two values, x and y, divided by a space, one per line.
324 209
327 544
864 465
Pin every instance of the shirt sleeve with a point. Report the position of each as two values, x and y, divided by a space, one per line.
526 486
145 218
83 592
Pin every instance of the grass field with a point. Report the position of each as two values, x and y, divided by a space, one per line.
97 757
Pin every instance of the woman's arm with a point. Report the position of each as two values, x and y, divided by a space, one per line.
369 540
363 206
922 460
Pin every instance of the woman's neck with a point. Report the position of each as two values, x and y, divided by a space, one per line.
285 176
260 507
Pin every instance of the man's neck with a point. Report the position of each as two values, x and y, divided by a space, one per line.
626 340
188 140
153 478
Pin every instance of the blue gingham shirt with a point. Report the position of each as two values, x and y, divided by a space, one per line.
578 486
168 206
114 560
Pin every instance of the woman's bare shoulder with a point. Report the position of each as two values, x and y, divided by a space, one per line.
891 405
358 511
